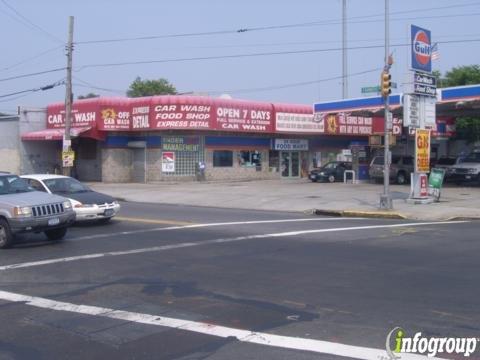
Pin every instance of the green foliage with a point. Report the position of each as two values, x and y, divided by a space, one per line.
141 87
458 76
468 128
88 96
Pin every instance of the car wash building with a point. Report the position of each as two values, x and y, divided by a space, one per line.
162 138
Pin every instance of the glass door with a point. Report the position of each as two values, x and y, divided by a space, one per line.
285 163
290 164
295 171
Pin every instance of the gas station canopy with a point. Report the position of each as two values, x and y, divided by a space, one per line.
454 102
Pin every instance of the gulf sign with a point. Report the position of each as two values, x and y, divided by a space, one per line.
421 49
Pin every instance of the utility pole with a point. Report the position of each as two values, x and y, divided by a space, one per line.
68 95
385 198
344 51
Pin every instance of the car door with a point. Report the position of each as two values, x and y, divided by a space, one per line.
340 169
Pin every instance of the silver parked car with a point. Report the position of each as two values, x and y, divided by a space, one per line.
400 168
22 209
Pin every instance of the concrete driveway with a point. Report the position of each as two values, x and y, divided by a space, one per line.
300 195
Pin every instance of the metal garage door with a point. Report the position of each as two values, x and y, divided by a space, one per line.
138 165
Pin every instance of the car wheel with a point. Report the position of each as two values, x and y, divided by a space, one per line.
105 220
56 234
6 236
331 178
401 178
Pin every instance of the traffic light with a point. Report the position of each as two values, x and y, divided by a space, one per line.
385 83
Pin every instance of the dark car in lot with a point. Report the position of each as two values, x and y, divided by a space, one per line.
400 168
330 172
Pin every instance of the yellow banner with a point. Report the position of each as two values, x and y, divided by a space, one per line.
422 151
68 157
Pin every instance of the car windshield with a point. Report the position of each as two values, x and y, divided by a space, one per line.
330 165
446 161
472 158
13 184
378 160
65 186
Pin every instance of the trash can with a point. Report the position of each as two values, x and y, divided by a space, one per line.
363 172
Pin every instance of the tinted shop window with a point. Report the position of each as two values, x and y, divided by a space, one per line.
222 158
250 158
87 149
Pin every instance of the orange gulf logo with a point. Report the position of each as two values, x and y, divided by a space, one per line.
108 114
332 124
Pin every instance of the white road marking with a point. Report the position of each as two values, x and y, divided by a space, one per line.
285 342
192 226
213 241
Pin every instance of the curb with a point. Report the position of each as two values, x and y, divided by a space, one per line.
460 218
360 213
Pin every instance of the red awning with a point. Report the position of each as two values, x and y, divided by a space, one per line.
55 134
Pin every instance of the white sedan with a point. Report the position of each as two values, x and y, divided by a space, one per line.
88 204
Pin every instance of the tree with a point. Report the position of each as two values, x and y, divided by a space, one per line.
141 87
88 96
468 128
458 76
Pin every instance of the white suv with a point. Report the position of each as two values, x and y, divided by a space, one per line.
468 170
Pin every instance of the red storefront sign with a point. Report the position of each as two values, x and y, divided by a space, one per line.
83 114
243 116
114 115
379 126
345 124
188 113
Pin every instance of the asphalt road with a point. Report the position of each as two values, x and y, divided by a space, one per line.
179 282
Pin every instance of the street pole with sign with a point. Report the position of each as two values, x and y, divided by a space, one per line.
385 198
419 110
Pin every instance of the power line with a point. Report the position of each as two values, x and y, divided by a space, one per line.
21 62
29 23
236 56
31 74
91 86
265 88
298 43
42 88
274 27
297 84
15 98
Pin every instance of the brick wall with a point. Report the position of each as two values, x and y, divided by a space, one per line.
117 165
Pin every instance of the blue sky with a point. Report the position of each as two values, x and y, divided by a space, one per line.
28 48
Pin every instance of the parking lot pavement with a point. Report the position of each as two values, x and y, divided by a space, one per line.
301 196
214 283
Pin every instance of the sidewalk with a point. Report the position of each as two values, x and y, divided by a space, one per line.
301 195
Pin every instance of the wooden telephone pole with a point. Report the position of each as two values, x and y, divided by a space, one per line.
66 146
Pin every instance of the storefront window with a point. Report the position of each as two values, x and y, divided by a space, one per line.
222 158
250 158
